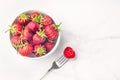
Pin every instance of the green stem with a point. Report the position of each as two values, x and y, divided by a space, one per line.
7 30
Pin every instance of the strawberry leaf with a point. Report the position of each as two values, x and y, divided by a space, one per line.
23 16
57 26
41 33
18 46
15 46
38 19
41 50
35 19
12 29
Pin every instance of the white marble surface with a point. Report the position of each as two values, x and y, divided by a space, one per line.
91 26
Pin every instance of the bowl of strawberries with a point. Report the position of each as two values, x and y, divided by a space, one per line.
34 34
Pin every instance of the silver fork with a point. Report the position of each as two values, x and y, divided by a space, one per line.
59 62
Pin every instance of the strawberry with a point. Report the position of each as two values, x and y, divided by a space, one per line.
25 49
47 20
39 50
26 35
49 46
39 37
15 40
69 52
53 35
32 26
34 14
15 29
52 31
36 17
23 19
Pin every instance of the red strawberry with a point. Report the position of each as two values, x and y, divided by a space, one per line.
27 35
25 49
23 19
36 17
69 52
15 29
39 50
15 40
34 14
49 46
32 26
51 31
53 35
47 20
39 37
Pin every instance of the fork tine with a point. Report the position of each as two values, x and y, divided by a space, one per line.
60 61
60 58
64 62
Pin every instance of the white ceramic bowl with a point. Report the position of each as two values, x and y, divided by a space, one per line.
48 53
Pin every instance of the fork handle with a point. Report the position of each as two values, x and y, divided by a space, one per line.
50 69
46 73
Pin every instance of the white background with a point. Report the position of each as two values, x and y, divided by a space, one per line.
93 26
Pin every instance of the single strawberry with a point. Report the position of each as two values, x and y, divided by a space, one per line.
49 46
39 50
53 35
39 37
26 35
15 40
25 49
34 14
49 29
52 31
23 19
15 29
32 26
69 52
47 20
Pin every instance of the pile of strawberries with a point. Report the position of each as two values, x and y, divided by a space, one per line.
33 34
